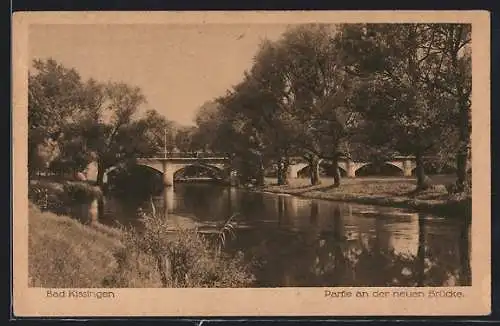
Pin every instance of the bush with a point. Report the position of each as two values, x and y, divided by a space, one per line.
180 258
46 195
55 194
81 192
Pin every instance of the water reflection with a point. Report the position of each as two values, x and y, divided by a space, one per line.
169 200
292 241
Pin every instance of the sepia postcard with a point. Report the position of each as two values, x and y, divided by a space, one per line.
306 163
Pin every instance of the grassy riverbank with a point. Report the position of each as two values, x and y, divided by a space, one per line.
398 192
64 253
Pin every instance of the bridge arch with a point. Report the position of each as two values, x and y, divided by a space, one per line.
171 165
191 170
293 169
382 169
357 166
157 169
146 180
169 169
325 169
112 171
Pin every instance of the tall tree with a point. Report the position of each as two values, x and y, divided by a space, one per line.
401 107
74 153
208 121
106 133
157 133
272 113
54 97
185 139
450 72
301 72
241 133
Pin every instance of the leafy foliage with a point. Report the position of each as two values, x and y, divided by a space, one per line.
290 103
399 75
182 258
73 122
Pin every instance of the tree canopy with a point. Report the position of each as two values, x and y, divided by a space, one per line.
73 122
356 90
365 91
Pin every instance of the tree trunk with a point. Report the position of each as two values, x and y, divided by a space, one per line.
314 167
260 174
422 179
285 172
282 172
100 173
336 172
464 126
462 181
100 184
464 149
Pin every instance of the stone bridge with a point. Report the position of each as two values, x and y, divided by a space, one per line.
168 166
404 163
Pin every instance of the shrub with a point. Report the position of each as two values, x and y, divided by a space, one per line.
81 192
46 195
57 197
180 258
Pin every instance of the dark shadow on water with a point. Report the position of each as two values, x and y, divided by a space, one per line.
299 242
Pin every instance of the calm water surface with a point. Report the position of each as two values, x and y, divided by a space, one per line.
290 241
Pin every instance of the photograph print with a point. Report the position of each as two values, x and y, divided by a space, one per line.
249 155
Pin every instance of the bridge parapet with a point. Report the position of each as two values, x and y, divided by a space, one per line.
405 163
191 155
190 160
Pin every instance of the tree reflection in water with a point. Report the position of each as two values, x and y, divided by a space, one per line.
465 249
299 242
313 257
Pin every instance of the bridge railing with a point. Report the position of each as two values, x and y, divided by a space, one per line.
191 155
300 159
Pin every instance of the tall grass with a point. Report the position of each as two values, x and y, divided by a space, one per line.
65 253
227 230
180 258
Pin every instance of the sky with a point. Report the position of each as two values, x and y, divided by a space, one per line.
178 67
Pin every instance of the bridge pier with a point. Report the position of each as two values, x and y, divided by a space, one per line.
168 174
351 169
407 168
168 197
292 172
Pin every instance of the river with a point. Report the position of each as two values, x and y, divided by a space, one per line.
292 241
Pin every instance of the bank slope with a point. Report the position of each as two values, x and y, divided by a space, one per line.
65 253
396 193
